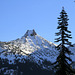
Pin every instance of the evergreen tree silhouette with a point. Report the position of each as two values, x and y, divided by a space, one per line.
63 60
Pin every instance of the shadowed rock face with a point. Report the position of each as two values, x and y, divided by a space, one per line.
30 33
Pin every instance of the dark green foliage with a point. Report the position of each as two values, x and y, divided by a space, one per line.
27 68
46 62
62 66
31 68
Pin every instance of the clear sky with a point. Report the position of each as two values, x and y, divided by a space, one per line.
18 16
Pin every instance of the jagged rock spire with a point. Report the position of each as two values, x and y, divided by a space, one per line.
30 33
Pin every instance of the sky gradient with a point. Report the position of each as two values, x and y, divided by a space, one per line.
18 16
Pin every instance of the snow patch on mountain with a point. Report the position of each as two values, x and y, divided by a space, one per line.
72 49
30 46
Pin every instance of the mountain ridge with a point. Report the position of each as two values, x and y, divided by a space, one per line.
27 44
31 48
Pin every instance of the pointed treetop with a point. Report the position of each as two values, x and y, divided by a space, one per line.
62 8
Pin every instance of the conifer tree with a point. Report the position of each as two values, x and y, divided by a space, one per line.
63 60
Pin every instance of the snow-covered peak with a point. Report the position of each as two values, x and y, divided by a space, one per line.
31 46
30 33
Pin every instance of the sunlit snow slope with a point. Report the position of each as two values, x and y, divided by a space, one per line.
30 46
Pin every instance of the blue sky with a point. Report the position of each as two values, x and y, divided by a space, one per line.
18 16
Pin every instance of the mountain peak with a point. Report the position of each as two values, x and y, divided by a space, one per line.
30 33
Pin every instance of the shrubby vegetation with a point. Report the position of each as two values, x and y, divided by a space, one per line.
27 68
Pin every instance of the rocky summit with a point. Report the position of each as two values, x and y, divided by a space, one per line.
30 48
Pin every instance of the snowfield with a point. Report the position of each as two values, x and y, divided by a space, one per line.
30 46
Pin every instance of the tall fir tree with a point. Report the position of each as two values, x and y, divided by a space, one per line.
63 61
